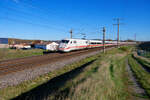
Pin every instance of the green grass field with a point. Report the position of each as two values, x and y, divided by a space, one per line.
6 54
99 77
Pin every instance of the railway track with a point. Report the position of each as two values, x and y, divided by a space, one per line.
15 65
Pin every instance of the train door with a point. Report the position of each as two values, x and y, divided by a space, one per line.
87 44
70 45
75 46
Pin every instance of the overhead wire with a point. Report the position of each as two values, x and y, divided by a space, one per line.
24 16
44 10
29 22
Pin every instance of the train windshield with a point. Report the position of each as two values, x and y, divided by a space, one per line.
64 41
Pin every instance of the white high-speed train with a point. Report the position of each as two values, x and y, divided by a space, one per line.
67 45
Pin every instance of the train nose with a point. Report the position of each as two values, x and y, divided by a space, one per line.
62 46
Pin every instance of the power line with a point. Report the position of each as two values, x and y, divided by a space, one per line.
118 24
71 33
104 30
48 11
24 15
25 4
33 7
31 14
27 22
14 10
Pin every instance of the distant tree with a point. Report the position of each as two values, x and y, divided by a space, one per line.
145 46
109 40
129 40
36 41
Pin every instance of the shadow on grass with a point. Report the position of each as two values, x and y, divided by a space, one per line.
146 67
111 69
43 91
48 52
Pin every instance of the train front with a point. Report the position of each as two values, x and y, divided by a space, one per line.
64 45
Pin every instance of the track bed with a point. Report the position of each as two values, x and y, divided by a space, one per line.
13 72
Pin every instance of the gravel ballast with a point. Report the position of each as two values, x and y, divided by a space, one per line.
29 74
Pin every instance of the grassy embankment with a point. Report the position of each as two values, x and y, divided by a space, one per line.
103 77
6 54
14 91
142 75
142 60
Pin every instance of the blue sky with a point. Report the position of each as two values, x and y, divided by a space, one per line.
53 19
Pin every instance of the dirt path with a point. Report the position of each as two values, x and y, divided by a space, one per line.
137 91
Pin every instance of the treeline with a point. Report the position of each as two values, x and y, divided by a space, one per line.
145 46
18 41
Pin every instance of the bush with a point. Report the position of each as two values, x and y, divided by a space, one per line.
124 48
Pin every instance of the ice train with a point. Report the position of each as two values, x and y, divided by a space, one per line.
67 45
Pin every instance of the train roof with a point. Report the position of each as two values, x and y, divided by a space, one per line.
95 40
82 39
75 39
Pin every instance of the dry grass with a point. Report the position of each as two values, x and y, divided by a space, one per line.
103 79
107 82
6 54
14 91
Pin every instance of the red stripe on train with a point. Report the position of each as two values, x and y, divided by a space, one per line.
84 46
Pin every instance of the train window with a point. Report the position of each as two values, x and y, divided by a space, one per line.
65 41
93 42
75 41
71 42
